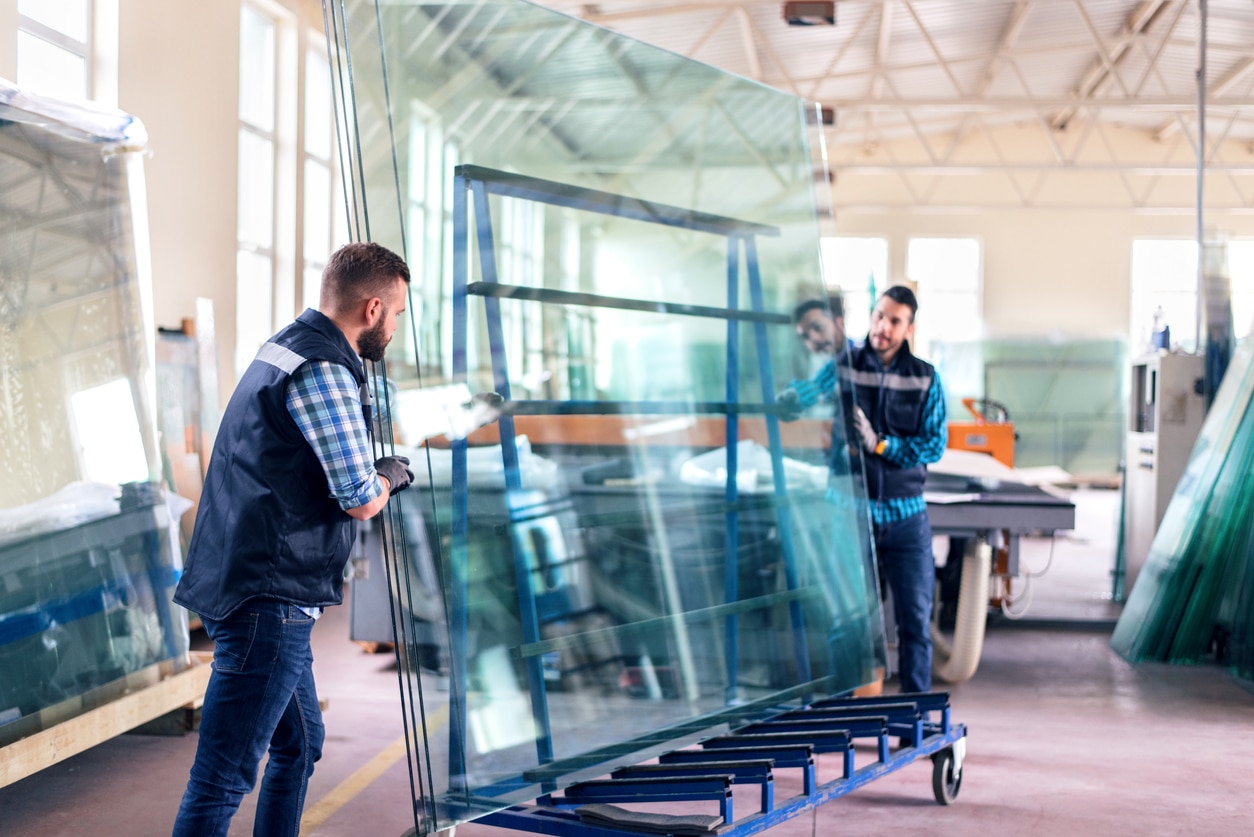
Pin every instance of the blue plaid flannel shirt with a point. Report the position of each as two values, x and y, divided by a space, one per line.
323 399
907 452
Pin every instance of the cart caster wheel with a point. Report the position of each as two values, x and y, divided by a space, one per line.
946 779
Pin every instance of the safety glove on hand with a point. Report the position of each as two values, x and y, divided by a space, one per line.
790 401
866 433
395 469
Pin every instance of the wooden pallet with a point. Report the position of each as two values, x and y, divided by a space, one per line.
69 737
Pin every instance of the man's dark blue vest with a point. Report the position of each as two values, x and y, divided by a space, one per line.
267 525
893 400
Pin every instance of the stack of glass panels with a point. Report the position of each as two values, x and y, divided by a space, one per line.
87 554
1065 397
1193 600
614 238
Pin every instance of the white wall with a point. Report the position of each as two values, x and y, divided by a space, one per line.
1063 265
8 44
1045 271
178 71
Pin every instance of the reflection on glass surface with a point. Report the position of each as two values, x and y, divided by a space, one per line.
86 566
108 433
638 551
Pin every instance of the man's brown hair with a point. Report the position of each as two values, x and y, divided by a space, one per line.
357 272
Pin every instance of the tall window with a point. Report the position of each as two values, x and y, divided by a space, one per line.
324 220
1241 269
858 268
521 262
426 178
947 276
53 47
1164 275
255 255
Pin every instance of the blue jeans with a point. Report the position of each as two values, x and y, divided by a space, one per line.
904 550
260 697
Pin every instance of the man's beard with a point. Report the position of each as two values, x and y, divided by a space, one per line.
372 342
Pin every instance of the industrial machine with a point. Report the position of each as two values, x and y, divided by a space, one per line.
994 436
1164 418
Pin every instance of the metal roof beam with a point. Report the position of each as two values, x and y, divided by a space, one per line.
1216 90
1010 34
1108 60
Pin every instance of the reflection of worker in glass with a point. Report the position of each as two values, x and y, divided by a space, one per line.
898 422
820 325
292 469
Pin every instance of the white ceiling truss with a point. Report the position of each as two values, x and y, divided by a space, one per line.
994 103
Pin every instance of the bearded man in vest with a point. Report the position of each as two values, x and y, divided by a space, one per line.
897 421
292 471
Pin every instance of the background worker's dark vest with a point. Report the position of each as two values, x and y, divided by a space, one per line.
893 400
267 524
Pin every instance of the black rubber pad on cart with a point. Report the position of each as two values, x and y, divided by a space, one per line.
614 817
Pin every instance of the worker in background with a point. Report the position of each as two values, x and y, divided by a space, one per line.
292 471
898 422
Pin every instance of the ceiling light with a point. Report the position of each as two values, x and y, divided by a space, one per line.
810 14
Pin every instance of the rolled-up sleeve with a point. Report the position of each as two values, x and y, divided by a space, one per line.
323 399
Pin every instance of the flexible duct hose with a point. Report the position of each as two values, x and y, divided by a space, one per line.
957 662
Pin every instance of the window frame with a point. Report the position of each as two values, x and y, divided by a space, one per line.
57 39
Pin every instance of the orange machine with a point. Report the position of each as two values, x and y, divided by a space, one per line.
994 437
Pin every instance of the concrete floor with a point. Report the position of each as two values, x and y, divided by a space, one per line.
1064 738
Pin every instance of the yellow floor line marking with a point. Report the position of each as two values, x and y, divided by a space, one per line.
361 778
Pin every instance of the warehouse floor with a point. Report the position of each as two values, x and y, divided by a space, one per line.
1064 738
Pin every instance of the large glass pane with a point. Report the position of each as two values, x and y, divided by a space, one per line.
1193 599
88 555
639 551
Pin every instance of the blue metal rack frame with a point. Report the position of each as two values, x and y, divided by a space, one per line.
752 754
749 755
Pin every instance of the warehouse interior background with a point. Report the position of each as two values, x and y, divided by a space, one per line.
1029 166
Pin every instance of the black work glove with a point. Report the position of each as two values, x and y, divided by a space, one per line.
395 469
790 400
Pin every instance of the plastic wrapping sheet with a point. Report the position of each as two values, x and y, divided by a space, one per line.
1191 601
86 567
652 229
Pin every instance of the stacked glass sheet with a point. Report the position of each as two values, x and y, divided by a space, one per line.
641 550
1065 397
1193 600
87 553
